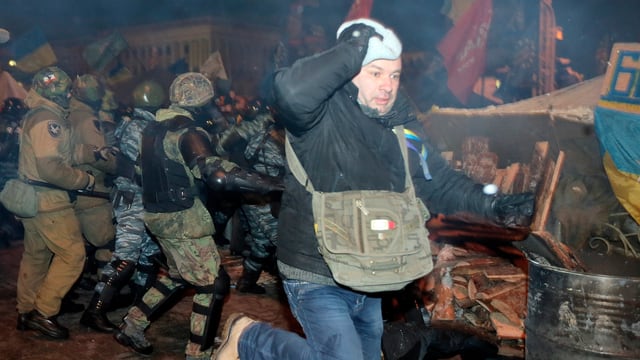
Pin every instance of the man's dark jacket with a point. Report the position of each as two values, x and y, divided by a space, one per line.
343 149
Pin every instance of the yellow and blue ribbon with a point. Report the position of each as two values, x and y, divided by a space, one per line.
412 141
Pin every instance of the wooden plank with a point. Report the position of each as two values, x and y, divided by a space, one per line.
508 311
516 300
505 273
506 187
499 289
472 290
505 329
545 192
444 308
499 178
521 182
561 251
460 292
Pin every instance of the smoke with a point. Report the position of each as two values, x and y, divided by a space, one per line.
589 24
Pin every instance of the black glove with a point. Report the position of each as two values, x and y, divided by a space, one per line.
238 179
513 210
359 35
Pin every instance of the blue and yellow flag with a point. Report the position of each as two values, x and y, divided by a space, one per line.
102 52
617 125
32 51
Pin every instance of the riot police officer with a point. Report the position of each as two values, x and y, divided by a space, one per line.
54 251
135 250
177 161
89 129
264 153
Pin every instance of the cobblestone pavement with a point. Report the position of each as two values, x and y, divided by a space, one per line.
168 333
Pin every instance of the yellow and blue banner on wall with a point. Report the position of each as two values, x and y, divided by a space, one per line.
617 125
32 51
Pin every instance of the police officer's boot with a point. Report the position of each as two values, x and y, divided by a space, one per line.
95 316
248 282
131 335
131 332
201 345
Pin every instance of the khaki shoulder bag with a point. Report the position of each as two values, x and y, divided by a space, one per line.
371 240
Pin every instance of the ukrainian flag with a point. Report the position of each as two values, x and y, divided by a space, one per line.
32 51
617 125
619 135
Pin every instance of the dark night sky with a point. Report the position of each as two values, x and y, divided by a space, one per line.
418 22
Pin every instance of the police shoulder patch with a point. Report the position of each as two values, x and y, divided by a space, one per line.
54 128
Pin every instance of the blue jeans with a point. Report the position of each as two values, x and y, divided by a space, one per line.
337 323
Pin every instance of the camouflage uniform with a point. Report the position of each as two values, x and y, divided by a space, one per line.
265 154
133 242
53 245
187 242
181 159
134 250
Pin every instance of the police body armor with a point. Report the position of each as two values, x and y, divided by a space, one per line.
166 186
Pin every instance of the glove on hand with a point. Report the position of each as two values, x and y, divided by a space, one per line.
359 34
513 210
105 152
372 38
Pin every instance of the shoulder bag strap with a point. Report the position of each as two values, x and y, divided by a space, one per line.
301 175
296 167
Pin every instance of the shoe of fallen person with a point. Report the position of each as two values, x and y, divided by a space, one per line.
233 328
131 336
47 326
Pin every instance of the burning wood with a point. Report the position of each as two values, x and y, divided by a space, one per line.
478 293
479 282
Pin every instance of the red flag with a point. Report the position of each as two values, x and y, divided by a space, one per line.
360 9
464 48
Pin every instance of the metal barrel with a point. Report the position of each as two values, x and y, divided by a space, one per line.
572 315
